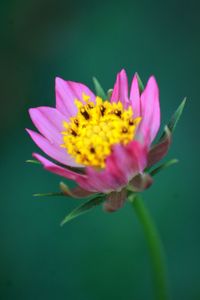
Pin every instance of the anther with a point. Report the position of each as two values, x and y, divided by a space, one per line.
124 130
131 122
73 132
90 105
85 113
85 158
92 150
102 110
117 112
76 122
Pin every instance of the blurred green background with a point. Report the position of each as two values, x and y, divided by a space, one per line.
97 256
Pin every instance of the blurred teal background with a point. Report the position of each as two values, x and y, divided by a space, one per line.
97 256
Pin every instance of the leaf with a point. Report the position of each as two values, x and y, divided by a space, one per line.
33 161
176 116
83 208
163 166
141 85
98 88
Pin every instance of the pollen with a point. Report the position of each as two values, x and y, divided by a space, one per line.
90 136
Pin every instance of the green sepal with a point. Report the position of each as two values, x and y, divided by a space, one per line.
140 83
98 89
49 194
109 94
33 161
83 208
176 116
163 166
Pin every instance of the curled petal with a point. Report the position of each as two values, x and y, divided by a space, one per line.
135 97
67 92
76 192
120 91
115 200
49 121
49 166
52 150
159 150
141 182
150 111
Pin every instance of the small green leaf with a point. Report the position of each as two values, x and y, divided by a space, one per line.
33 161
174 120
141 85
49 194
176 116
98 88
83 208
163 166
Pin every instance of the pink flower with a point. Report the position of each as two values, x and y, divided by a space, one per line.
103 146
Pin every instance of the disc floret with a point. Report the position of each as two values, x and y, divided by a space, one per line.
91 134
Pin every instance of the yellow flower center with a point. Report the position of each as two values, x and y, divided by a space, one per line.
90 135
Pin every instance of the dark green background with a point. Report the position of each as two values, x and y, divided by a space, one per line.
97 256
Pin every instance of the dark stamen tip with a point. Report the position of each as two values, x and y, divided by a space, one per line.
73 132
76 122
117 112
85 113
124 130
90 106
92 150
102 110
131 122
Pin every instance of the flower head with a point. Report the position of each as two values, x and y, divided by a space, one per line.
104 145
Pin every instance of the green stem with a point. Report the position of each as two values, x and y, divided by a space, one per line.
155 247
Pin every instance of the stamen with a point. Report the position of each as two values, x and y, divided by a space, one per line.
102 109
131 122
117 112
73 132
85 113
90 105
124 130
76 122
92 150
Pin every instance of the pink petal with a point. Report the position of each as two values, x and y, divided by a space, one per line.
49 166
121 166
49 121
52 150
103 181
120 91
130 159
115 200
150 106
135 97
67 92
